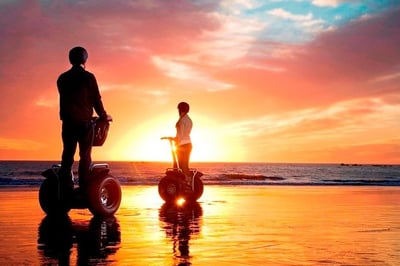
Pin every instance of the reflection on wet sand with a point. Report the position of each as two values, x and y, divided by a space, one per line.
235 225
180 223
95 240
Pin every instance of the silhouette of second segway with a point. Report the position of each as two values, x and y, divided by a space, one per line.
173 185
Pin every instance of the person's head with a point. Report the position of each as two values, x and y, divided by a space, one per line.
183 107
78 56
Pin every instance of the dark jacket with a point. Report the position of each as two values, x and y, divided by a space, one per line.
79 94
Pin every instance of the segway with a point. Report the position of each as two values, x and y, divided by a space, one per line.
101 195
173 185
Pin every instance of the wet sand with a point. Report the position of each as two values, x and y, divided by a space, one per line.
231 225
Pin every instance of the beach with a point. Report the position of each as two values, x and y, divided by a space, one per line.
230 225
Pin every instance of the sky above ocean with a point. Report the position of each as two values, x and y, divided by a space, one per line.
267 81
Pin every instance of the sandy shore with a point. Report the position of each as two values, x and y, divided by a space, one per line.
245 225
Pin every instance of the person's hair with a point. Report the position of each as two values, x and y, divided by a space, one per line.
78 55
183 107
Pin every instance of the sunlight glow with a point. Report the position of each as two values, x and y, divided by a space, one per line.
143 142
264 79
180 201
147 196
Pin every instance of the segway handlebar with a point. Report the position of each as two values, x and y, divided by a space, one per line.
175 162
168 138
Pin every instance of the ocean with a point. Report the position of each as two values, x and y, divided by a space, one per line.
28 173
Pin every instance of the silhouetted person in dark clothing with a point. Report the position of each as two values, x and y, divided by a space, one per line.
79 95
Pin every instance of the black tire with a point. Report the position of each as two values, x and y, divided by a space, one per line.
198 189
104 196
168 188
50 200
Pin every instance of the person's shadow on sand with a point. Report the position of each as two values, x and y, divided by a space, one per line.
95 240
180 223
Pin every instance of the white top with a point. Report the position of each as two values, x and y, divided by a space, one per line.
183 129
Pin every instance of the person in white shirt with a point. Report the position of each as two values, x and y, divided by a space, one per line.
182 140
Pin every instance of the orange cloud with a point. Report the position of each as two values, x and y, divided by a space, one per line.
325 99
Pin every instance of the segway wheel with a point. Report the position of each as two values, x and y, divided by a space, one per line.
198 189
104 196
49 198
168 189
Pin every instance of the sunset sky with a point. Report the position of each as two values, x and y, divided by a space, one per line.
315 81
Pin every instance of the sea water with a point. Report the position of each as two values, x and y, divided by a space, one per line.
28 173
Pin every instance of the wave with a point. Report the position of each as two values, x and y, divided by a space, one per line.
231 180
7 182
147 173
252 177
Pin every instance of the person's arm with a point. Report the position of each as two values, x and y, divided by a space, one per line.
97 102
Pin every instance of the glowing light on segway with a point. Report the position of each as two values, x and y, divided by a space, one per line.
180 201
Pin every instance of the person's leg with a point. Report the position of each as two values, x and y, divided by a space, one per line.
184 152
69 140
85 150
